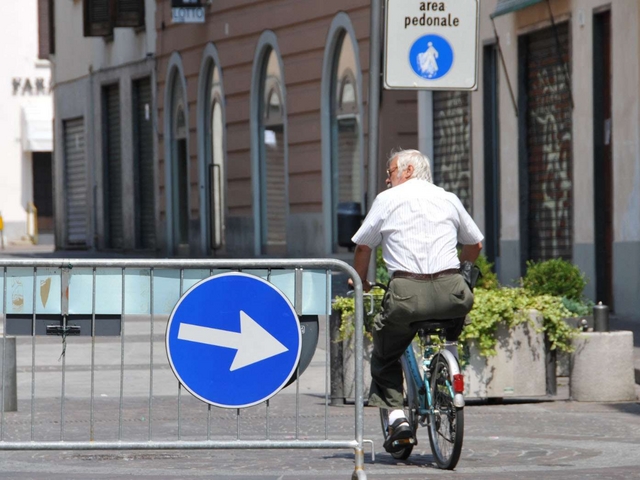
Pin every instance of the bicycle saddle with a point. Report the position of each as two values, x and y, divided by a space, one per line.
432 325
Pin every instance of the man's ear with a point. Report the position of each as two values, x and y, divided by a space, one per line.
408 172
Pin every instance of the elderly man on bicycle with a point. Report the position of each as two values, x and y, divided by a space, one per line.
419 226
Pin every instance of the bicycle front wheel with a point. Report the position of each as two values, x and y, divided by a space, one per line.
446 421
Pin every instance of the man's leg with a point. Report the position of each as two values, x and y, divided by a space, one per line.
452 333
386 371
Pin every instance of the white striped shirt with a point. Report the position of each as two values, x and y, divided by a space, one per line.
419 226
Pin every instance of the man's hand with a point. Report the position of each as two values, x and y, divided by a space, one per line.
366 286
470 252
470 273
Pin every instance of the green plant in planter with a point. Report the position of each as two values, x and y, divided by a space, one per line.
555 277
510 306
579 308
488 278
346 307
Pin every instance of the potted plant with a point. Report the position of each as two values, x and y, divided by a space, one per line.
512 330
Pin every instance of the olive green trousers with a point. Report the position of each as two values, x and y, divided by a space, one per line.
407 302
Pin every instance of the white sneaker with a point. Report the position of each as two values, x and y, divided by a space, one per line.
395 415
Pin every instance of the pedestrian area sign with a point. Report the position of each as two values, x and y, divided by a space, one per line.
431 45
233 340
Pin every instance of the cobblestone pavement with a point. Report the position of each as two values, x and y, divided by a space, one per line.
550 439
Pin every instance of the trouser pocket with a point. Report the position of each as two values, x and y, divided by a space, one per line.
460 298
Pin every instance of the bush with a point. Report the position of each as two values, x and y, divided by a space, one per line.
510 306
346 307
382 275
578 308
555 277
488 278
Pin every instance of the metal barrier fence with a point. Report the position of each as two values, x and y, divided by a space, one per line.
88 335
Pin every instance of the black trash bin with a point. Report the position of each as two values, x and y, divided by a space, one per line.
349 220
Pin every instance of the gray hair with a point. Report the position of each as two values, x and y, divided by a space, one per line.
420 162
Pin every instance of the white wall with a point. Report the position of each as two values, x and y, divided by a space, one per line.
76 56
81 67
18 60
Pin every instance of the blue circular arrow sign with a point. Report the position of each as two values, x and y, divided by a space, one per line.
233 340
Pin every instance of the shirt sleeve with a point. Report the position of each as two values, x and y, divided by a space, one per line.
369 233
468 232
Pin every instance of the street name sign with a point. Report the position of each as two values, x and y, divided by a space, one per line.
233 340
431 45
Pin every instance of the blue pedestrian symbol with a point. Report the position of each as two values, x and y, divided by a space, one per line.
431 57
233 340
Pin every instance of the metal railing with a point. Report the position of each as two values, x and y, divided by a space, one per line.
124 374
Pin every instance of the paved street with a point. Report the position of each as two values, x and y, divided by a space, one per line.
531 440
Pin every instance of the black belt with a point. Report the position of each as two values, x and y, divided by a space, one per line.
425 276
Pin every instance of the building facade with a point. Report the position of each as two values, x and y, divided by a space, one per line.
104 77
263 137
556 140
25 125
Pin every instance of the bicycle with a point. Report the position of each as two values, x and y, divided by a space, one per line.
433 398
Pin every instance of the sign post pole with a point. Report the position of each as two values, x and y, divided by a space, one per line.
374 109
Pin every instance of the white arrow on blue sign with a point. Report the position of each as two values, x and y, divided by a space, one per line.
233 340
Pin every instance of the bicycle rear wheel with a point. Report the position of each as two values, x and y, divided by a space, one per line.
446 423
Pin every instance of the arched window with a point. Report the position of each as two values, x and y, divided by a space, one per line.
346 137
179 169
212 153
272 156
215 159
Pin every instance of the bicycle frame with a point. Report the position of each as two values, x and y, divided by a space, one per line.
421 380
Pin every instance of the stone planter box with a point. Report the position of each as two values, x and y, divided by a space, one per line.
563 359
348 368
342 354
518 369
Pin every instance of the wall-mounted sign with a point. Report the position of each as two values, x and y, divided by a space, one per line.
30 86
431 45
187 11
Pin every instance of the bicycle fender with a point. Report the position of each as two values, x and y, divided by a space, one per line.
453 362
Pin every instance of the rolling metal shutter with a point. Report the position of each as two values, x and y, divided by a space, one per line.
144 181
276 207
75 176
549 145
113 171
348 164
451 140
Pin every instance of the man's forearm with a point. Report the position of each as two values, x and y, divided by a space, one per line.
361 261
470 252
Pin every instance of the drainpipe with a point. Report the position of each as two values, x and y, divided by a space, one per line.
374 110
94 181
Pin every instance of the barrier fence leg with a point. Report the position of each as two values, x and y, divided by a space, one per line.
359 473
